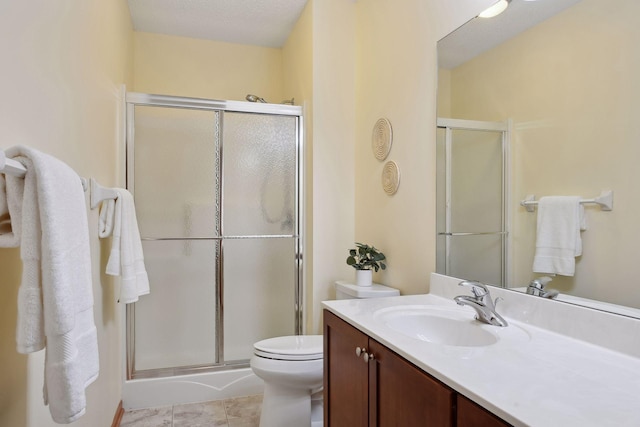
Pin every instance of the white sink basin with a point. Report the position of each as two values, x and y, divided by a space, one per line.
439 325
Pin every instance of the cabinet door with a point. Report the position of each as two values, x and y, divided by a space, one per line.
345 375
403 395
473 415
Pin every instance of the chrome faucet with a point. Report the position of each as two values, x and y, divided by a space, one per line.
481 302
536 287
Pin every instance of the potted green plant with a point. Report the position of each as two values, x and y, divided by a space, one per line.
364 259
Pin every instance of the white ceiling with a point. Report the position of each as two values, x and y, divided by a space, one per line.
253 22
481 34
269 22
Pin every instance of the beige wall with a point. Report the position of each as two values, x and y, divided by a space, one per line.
297 69
63 65
573 101
333 152
396 79
180 66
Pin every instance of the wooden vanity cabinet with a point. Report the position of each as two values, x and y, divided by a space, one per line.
400 394
366 384
346 383
383 391
470 414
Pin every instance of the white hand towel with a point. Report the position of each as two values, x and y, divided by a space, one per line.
5 217
56 294
127 259
558 241
105 222
10 209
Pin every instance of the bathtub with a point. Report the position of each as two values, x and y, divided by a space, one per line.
200 387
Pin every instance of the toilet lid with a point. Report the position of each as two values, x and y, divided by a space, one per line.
295 347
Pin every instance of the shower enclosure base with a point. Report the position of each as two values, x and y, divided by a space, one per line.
202 387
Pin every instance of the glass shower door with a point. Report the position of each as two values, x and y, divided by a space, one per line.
259 225
176 159
217 198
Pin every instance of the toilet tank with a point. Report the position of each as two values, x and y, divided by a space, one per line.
346 290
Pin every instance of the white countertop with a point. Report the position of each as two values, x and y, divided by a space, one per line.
546 379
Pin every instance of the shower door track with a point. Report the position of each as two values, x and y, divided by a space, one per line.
272 236
134 99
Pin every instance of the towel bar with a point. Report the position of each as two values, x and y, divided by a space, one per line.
100 193
605 200
15 168
11 167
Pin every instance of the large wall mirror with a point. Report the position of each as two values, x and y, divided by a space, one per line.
569 88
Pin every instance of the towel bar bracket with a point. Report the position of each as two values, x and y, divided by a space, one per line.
100 193
529 203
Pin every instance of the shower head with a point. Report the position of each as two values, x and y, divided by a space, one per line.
254 98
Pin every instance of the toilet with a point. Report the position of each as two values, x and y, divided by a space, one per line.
292 369
345 290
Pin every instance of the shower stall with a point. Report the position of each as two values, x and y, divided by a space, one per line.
218 193
472 218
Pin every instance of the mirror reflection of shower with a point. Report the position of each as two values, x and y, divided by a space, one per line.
256 98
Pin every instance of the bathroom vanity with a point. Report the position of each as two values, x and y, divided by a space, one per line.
367 384
383 367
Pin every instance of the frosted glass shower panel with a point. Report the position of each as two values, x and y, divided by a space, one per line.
176 162
175 325
259 294
259 174
476 181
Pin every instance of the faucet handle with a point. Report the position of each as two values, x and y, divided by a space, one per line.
478 289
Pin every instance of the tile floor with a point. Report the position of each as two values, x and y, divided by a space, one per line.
235 412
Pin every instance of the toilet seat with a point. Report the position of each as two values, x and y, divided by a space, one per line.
294 347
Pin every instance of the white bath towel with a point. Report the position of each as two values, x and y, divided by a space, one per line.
55 300
558 241
126 259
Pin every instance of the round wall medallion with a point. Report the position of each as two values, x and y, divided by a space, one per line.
381 139
390 177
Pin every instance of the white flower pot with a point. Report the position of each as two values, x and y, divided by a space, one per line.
364 277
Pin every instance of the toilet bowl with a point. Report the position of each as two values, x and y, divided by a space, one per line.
291 368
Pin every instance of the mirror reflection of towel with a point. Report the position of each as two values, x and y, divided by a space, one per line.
558 241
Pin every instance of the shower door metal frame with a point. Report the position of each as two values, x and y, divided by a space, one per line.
134 99
449 125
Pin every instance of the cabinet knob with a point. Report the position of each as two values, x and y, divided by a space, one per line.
361 351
